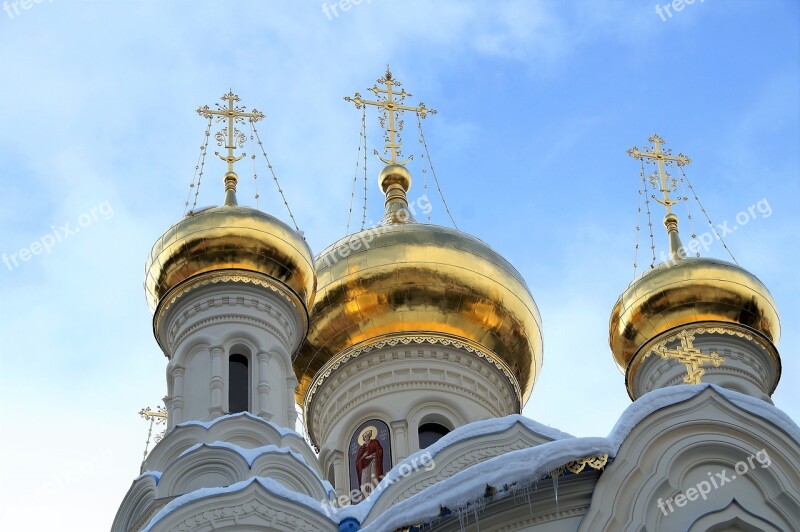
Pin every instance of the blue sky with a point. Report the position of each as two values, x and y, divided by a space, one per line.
538 103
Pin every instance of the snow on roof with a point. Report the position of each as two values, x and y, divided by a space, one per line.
517 469
425 456
493 426
251 454
283 431
268 484
522 467
155 474
670 395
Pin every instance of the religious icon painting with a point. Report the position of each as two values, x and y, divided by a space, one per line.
370 455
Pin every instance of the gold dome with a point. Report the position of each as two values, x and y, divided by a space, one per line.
413 278
686 291
240 241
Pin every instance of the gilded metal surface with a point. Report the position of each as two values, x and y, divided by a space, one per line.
395 181
596 462
229 238
415 279
700 329
686 353
390 102
663 157
155 417
229 137
687 291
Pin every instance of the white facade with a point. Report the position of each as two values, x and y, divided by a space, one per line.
204 327
251 471
405 385
450 450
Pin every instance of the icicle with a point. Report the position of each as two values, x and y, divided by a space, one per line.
528 497
555 488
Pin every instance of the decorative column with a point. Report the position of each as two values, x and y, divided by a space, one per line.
291 411
340 476
177 396
170 415
217 382
400 440
263 386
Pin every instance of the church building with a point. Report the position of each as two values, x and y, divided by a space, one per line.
378 386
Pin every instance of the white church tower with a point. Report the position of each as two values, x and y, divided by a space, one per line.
230 287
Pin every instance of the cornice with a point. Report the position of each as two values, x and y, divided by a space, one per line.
227 276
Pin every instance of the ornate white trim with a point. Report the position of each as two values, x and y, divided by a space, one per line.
281 335
701 328
417 339
231 276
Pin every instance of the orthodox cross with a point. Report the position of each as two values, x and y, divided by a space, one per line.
688 355
661 157
158 417
391 108
229 136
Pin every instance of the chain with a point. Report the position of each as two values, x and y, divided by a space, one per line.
649 218
714 229
198 171
364 129
689 214
430 164
638 230
425 182
355 178
253 157
274 177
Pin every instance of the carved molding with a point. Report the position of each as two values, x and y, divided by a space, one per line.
281 335
232 276
230 517
353 384
699 329
417 339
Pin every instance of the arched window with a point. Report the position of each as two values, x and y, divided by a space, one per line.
238 384
430 433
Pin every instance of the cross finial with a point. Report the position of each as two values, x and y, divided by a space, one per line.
158 417
666 183
689 355
390 102
229 137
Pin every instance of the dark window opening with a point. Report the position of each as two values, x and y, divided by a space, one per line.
430 433
238 384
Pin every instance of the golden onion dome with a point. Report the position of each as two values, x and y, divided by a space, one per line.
230 243
402 278
685 291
